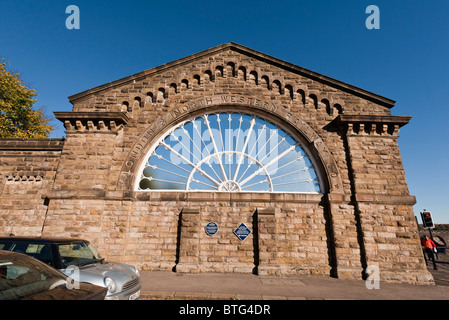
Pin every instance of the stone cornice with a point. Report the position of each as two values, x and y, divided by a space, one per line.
372 125
385 199
249 197
98 122
180 196
368 198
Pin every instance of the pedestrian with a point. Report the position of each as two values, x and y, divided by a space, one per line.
429 248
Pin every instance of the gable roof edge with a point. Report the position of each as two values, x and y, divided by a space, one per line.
317 76
247 51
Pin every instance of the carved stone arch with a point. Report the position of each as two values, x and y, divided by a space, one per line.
265 82
137 101
184 84
288 91
196 79
230 69
276 86
339 108
253 77
242 72
173 89
319 152
209 76
313 101
326 106
161 94
301 95
218 71
149 98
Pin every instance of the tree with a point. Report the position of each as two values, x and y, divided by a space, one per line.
17 118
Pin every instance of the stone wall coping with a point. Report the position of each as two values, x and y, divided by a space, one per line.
32 144
355 118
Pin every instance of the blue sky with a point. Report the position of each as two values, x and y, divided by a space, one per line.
405 60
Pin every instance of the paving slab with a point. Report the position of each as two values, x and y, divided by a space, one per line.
167 285
253 287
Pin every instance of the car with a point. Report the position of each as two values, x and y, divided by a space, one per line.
25 278
79 260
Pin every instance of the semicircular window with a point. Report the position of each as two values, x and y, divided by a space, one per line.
228 152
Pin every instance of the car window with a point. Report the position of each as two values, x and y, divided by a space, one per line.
34 248
21 277
39 251
77 253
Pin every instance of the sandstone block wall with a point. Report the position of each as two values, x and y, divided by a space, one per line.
27 171
364 215
170 235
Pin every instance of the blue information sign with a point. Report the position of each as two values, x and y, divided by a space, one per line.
211 228
242 232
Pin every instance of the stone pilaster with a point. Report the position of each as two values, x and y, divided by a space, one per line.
189 241
266 244
346 242
383 206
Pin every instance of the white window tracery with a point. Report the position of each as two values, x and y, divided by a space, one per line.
228 152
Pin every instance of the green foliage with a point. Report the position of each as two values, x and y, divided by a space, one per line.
17 118
442 227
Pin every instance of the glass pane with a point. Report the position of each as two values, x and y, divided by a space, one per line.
77 253
229 152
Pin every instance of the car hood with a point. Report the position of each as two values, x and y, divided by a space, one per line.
96 272
84 291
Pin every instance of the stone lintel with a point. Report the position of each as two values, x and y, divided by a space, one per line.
190 210
266 211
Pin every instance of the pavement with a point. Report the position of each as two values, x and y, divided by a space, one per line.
165 285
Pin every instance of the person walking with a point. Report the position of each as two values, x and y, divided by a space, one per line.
429 248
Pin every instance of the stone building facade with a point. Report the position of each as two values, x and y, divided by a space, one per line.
91 185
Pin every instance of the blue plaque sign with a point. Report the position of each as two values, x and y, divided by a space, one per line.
211 228
242 232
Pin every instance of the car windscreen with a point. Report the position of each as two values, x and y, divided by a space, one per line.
78 254
20 278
